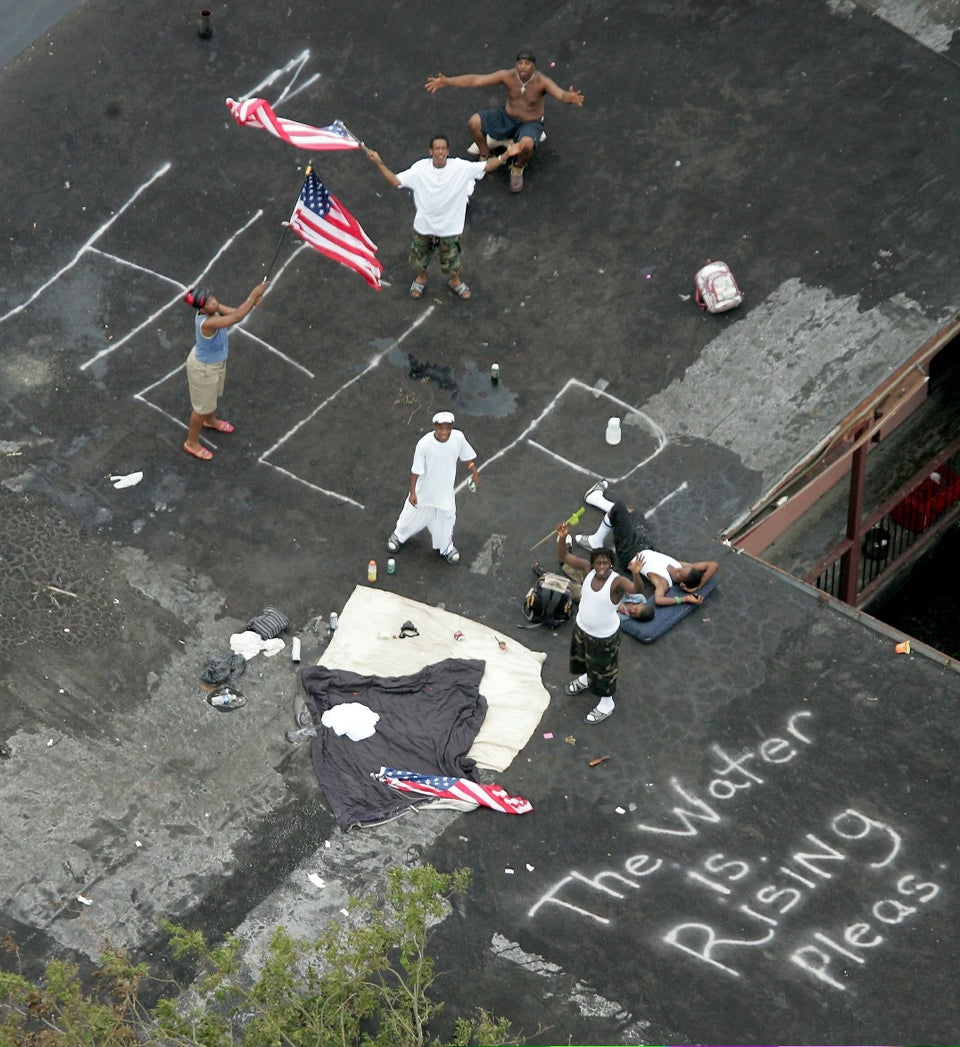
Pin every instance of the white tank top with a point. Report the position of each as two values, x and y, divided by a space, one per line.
597 615
658 563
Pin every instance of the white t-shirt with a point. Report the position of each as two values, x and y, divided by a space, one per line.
435 464
440 194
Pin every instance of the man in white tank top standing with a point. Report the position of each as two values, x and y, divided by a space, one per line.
596 633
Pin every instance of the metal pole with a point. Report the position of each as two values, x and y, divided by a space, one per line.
277 252
286 226
352 135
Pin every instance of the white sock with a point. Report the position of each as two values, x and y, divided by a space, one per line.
582 680
599 536
599 501
606 705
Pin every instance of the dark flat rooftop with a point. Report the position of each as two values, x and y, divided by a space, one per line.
769 854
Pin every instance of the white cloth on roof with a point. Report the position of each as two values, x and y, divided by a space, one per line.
250 644
354 719
511 683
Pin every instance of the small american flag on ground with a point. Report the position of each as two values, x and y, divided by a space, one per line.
256 112
329 228
443 788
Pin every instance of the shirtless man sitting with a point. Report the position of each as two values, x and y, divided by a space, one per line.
521 118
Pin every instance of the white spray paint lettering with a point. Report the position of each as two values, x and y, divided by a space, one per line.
759 900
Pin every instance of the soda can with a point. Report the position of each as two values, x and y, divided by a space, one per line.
458 635
494 373
391 566
472 486
334 621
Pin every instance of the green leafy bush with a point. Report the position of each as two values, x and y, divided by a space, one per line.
364 983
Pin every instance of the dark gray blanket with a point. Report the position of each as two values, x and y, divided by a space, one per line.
428 721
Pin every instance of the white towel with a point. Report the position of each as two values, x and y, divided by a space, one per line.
250 644
354 719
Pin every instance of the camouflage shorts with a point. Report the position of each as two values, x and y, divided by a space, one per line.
447 248
596 658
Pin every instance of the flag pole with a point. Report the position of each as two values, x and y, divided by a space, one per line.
286 226
571 521
277 252
352 135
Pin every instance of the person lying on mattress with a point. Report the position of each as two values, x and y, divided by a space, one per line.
630 540
626 527
637 607
663 571
674 601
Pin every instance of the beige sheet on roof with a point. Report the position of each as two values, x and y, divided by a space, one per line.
516 697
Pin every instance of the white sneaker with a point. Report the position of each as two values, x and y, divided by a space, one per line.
394 543
598 488
584 542
452 555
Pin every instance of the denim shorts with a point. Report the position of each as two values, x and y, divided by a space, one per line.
498 125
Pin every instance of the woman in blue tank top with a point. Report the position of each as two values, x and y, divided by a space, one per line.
207 362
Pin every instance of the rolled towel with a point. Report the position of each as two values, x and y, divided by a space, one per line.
269 624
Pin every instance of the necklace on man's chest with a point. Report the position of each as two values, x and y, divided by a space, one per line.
523 83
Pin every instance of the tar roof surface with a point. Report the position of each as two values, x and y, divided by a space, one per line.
768 854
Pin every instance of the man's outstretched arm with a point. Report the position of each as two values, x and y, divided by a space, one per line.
435 83
571 97
382 167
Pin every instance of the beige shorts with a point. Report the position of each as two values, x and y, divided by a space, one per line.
205 382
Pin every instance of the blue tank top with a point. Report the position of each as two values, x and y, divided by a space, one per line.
213 349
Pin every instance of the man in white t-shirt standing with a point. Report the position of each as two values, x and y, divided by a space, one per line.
431 503
441 187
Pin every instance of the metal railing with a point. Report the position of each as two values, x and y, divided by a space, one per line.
893 534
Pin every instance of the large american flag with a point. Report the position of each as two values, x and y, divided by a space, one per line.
329 228
443 788
257 112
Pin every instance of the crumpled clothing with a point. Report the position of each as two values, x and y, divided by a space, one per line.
250 644
219 668
354 719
